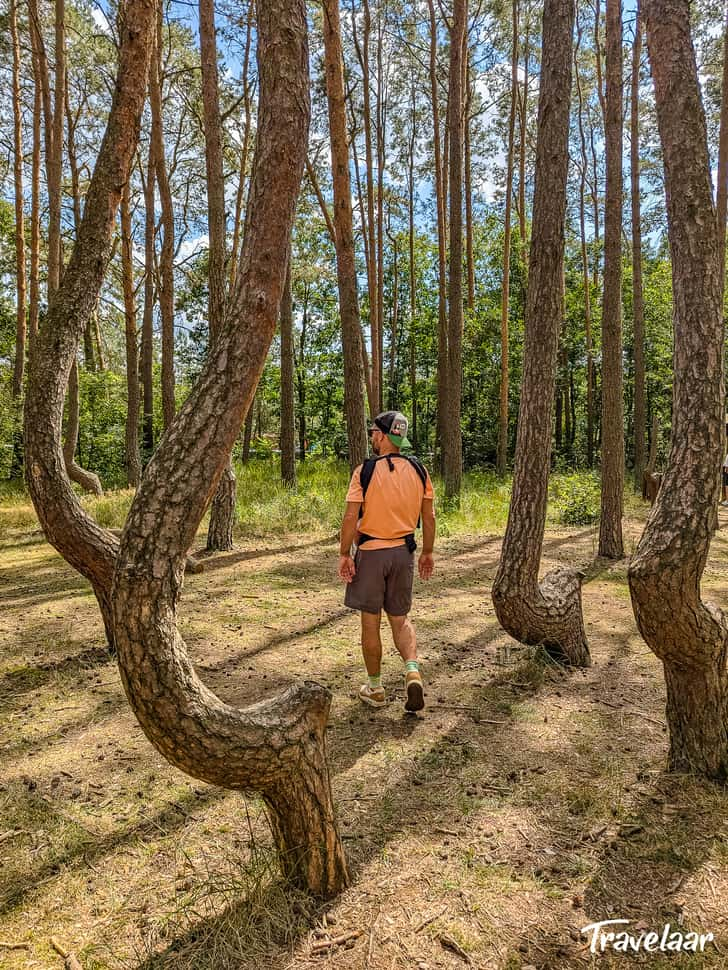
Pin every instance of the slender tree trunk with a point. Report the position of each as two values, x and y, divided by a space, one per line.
222 510
288 416
523 145
687 635
89 481
131 439
610 524
88 347
248 433
35 202
54 160
442 331
166 256
638 311
394 330
369 223
548 614
232 273
585 264
412 272
722 193
452 445
469 247
147 345
20 307
381 162
502 457
343 221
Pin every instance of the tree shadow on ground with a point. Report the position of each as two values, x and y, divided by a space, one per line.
212 561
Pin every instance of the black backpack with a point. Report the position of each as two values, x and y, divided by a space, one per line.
365 477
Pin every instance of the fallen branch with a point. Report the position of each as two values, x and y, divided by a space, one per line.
4 945
70 958
337 941
430 919
449 944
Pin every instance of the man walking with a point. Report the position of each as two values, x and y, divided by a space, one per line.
387 497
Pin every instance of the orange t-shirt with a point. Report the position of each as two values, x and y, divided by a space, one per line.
393 502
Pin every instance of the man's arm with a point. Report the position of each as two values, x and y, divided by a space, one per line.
427 563
347 571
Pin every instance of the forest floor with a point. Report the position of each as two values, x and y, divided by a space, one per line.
524 803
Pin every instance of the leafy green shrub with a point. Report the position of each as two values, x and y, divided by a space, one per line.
577 498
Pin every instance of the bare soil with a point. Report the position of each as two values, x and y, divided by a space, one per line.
524 803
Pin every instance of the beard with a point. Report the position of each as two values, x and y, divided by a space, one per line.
375 448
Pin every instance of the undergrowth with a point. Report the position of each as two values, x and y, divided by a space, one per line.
267 507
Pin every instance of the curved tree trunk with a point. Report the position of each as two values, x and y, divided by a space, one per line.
222 510
276 747
610 524
85 545
343 221
664 575
549 614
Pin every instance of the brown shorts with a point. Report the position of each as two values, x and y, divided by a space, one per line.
383 581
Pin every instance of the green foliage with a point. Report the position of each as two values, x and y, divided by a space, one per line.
576 498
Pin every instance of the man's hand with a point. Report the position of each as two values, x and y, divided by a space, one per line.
426 565
347 569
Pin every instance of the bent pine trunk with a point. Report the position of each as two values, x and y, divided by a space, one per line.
275 747
688 636
548 614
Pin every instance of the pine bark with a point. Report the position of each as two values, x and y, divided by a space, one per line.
34 306
20 301
548 614
147 343
452 443
442 329
343 222
276 747
368 222
131 437
502 456
166 255
585 262
722 191
54 159
222 509
689 636
638 302
469 242
288 413
610 524
85 545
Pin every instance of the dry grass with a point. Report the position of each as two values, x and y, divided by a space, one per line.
525 803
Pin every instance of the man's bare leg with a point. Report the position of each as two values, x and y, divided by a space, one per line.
403 634
371 643
372 692
405 640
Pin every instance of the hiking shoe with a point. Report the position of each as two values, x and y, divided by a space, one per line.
415 693
373 696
